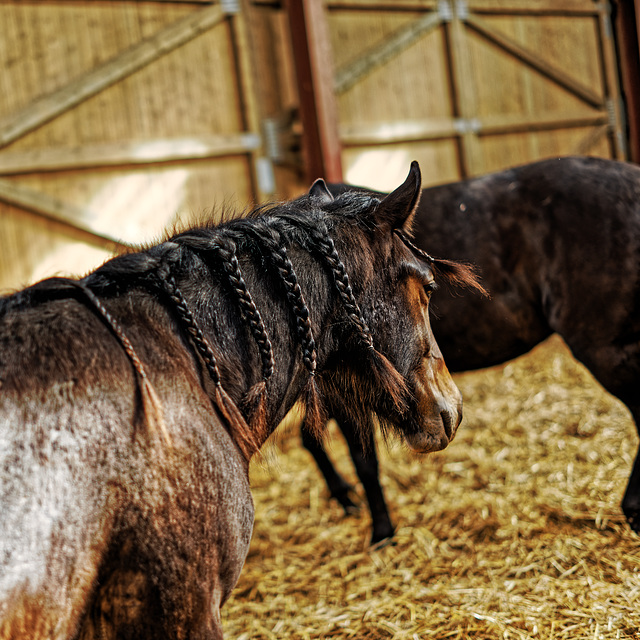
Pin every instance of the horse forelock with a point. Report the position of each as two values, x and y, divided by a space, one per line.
459 274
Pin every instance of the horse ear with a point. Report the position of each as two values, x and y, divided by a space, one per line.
397 210
320 190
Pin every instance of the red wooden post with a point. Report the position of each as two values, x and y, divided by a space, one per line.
314 71
628 28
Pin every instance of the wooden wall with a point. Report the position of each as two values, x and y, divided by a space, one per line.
121 118
471 86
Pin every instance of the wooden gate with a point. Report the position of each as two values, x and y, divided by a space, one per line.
471 86
116 119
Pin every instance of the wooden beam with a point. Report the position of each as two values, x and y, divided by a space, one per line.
382 52
627 29
465 106
263 181
127 153
314 72
388 5
62 213
355 135
531 59
591 139
611 69
537 8
441 128
505 123
48 107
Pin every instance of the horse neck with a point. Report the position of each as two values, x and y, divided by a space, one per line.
226 328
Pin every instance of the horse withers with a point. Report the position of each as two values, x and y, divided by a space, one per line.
132 400
557 244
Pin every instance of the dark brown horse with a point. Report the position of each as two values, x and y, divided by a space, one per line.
557 244
132 400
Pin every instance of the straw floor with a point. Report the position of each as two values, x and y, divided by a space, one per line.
514 531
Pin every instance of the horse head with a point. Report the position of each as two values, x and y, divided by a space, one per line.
389 289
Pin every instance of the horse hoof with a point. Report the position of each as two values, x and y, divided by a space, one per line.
349 506
382 534
384 542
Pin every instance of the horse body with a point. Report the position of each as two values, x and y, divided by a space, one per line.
557 244
94 508
131 402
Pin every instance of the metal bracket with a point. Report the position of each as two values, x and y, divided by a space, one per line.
230 7
282 136
265 176
462 9
445 10
271 129
467 125
611 112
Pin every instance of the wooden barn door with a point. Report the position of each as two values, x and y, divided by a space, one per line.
118 119
471 86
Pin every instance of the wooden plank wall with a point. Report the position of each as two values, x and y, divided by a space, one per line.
471 86
118 119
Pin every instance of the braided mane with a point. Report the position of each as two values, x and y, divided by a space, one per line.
267 231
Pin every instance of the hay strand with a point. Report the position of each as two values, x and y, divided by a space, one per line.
515 531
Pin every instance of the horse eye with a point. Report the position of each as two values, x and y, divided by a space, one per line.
430 288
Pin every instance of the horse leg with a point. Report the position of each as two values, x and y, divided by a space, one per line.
338 486
365 460
616 368
631 499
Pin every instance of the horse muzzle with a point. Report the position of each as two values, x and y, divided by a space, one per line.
437 432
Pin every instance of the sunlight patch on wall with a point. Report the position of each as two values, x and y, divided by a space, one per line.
379 169
137 207
70 259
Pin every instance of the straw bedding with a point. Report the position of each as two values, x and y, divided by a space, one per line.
514 531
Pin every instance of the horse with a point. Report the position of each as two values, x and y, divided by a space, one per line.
133 399
557 245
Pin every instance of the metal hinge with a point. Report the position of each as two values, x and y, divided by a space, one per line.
282 137
467 125
265 176
462 9
445 11
230 7
617 122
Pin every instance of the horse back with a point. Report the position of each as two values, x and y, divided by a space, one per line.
97 528
556 243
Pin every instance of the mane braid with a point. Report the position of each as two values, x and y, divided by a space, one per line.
386 375
151 405
255 398
314 414
271 240
238 428
419 252
226 250
327 249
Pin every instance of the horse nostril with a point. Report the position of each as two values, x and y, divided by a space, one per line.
446 422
